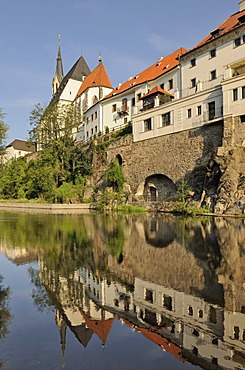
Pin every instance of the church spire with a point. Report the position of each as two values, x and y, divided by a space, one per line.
58 77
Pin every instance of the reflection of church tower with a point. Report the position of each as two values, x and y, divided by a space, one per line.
58 77
61 324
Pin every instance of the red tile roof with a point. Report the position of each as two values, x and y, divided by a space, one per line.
100 327
162 66
156 90
98 77
228 25
156 338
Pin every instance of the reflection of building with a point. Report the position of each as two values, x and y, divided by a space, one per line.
18 255
186 325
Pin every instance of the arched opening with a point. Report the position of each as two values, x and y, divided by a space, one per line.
153 193
119 158
158 233
157 188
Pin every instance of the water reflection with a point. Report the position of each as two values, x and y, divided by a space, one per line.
4 312
179 282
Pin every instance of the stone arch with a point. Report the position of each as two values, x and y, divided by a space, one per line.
119 158
158 233
157 187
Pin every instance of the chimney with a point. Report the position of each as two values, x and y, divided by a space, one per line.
242 5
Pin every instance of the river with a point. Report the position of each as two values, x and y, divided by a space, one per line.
121 292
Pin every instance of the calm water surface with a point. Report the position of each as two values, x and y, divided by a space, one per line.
121 292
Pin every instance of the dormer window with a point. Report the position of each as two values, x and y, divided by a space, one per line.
215 33
241 19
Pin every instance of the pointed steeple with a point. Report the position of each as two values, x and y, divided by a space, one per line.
59 74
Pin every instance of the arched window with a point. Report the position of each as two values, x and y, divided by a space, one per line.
95 99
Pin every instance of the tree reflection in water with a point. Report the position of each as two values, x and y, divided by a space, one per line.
4 312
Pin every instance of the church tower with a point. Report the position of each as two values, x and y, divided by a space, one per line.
58 77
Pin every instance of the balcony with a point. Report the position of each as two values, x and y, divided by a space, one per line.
123 110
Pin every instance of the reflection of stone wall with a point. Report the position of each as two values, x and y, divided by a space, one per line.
171 266
231 272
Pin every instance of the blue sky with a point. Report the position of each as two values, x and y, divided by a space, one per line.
130 35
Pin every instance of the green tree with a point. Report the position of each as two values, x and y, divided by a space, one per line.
52 123
114 175
3 131
12 179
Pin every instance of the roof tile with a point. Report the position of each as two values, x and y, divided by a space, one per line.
162 66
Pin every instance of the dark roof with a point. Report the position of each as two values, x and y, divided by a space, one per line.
77 72
22 145
59 67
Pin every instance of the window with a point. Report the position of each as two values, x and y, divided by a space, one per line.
96 129
124 104
242 118
167 302
211 110
95 115
92 117
190 311
243 92
133 102
235 94
212 315
92 131
236 332
195 351
170 84
162 86
237 42
214 360
193 82
213 53
138 96
147 124
114 107
200 314
213 75
199 110
189 113
243 39
193 62
149 295
125 120
166 119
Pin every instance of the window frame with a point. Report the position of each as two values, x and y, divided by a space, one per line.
213 53
166 122
243 92
148 124
170 84
199 110
193 62
213 75
193 82
235 94
237 42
